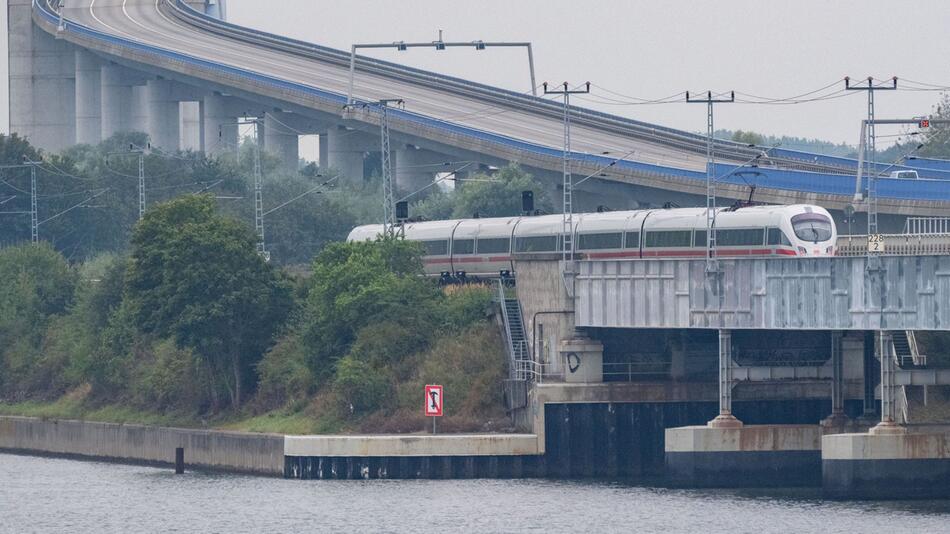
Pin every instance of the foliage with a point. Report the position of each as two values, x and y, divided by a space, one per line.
500 194
196 276
357 284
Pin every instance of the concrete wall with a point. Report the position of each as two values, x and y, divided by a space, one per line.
230 451
547 309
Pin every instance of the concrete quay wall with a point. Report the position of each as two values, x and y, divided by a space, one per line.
209 449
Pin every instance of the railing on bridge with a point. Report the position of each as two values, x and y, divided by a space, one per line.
927 225
919 244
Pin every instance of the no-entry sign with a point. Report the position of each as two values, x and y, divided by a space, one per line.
433 401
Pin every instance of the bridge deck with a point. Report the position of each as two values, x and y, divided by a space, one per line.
839 293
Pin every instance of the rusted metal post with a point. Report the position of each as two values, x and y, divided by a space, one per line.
888 422
837 419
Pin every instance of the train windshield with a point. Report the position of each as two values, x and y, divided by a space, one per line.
812 227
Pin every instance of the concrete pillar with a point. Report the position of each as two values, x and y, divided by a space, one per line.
42 81
346 150
888 359
189 119
837 417
324 146
88 98
417 167
218 126
163 115
725 419
869 374
281 140
140 108
117 102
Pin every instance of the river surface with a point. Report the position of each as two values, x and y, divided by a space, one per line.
55 495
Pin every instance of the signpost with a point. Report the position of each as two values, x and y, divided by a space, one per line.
433 403
876 243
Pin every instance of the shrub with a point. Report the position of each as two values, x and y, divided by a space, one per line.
360 387
284 375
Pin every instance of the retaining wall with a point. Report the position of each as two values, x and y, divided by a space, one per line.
210 449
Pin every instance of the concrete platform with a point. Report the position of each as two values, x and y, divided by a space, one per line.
911 465
412 445
749 456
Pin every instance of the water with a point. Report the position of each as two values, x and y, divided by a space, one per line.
54 495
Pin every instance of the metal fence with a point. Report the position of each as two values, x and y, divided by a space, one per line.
927 225
917 244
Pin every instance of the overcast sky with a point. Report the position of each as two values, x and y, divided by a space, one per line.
653 49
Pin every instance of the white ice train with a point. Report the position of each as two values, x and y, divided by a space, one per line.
484 247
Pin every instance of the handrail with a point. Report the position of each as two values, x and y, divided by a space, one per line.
506 321
927 225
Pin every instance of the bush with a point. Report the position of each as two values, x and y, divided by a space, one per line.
284 375
360 387
169 378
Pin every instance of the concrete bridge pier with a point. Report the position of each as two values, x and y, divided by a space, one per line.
139 116
164 114
416 167
88 98
118 103
42 81
281 139
190 134
219 129
346 150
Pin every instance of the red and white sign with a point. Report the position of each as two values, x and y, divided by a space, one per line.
433 401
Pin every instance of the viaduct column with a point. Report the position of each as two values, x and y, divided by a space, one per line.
190 125
163 114
281 140
140 108
218 126
346 149
725 419
88 98
324 151
416 167
42 81
117 101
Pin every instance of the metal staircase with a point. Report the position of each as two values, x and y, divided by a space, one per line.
519 357
905 345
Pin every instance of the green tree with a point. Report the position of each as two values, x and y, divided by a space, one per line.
359 284
937 144
195 276
36 286
499 195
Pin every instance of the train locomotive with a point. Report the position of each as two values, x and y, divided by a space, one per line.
484 248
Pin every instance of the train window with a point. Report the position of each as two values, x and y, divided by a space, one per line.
436 248
812 227
599 241
778 237
541 243
463 246
740 238
669 238
633 240
494 245
699 238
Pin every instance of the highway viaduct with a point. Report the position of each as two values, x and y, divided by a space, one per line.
166 68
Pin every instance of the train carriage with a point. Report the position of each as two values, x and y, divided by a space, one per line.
485 247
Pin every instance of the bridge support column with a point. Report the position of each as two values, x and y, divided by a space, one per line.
837 419
869 416
163 115
417 167
42 81
189 116
346 150
140 108
889 422
324 151
117 100
725 419
281 140
218 125
88 98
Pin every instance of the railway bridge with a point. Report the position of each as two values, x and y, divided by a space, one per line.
841 331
